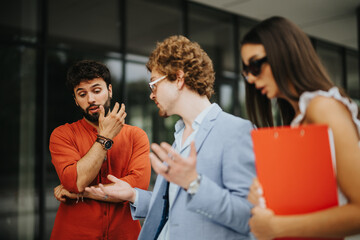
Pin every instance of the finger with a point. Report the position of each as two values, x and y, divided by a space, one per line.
57 192
254 210
256 188
262 202
122 118
158 166
259 187
103 190
113 179
97 191
102 112
90 190
116 108
252 199
161 153
171 152
122 109
257 210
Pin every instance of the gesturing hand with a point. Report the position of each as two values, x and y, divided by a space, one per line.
179 170
111 125
120 190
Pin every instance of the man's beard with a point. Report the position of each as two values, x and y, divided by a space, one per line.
94 118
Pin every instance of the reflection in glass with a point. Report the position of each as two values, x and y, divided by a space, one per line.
74 23
331 58
214 32
18 20
17 178
151 22
226 93
352 73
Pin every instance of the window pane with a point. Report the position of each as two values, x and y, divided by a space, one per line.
214 31
331 58
245 26
226 93
150 22
352 68
17 178
89 22
18 20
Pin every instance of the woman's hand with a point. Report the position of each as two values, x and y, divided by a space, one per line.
255 196
262 223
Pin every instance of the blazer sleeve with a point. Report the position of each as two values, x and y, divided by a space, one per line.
227 205
141 209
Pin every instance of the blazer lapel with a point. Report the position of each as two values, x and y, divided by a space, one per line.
154 215
205 128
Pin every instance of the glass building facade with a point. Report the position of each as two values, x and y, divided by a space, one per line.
40 39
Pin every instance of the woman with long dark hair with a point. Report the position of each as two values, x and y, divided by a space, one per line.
279 62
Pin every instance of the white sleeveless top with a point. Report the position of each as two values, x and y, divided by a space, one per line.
304 101
306 97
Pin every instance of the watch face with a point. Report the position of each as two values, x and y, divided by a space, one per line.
108 145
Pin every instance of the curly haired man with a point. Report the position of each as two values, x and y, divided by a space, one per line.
204 177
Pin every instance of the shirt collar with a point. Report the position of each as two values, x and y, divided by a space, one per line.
88 126
197 122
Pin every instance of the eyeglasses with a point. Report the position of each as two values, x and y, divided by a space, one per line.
152 84
254 67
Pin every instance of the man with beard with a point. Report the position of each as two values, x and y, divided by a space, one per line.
204 178
86 151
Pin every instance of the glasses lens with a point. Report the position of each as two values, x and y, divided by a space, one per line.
151 86
245 69
254 68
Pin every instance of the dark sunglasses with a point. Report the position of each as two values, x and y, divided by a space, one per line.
254 67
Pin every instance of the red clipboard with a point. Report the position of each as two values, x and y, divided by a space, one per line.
294 166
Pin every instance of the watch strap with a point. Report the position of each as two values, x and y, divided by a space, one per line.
105 142
194 185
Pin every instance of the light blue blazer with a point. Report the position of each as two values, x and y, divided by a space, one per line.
219 210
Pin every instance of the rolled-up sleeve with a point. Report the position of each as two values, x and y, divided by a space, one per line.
64 156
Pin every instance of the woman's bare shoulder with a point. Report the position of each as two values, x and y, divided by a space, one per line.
324 109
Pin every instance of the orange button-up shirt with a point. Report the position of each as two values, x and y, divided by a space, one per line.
128 159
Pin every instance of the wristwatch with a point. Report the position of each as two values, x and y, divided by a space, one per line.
194 185
105 142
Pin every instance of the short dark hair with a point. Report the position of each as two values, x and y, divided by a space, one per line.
179 53
86 70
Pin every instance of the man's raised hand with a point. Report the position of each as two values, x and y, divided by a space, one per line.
111 124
